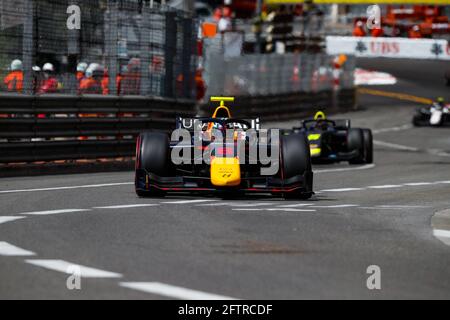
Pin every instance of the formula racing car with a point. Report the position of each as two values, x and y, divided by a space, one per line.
198 158
336 140
438 114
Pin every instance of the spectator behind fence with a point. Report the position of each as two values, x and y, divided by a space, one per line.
92 83
123 71
49 83
414 32
37 78
105 82
377 32
359 31
200 85
14 80
81 71
131 82
119 78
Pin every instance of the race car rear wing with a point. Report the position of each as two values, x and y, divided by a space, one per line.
190 123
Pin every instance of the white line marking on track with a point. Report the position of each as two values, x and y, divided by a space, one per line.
67 267
394 146
49 212
5 219
394 129
365 167
342 190
187 201
7 249
418 184
70 187
249 205
438 152
237 204
337 206
275 209
404 207
296 205
442 182
441 233
128 206
387 186
380 208
172 291
291 210
214 204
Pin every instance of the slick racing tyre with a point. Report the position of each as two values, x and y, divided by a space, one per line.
368 146
355 142
420 121
153 157
296 161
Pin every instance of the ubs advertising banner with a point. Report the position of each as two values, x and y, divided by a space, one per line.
389 47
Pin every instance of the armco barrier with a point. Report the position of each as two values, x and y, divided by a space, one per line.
52 127
47 128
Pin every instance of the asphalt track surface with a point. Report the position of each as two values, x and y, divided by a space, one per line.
252 248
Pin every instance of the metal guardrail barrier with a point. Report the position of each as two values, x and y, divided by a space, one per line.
61 127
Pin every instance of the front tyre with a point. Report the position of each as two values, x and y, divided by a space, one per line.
296 161
368 146
355 142
152 156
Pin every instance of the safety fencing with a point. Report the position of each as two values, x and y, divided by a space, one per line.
62 127
131 48
273 86
273 74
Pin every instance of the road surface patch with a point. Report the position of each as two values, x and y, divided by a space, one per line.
395 146
440 223
187 201
89 186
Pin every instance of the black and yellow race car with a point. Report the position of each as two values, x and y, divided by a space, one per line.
197 158
336 140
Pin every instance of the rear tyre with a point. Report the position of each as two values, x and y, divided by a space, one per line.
355 142
296 161
153 157
368 146
419 121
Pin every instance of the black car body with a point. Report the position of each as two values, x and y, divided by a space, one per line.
336 140
158 174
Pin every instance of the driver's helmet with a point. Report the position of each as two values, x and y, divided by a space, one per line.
440 100
320 120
